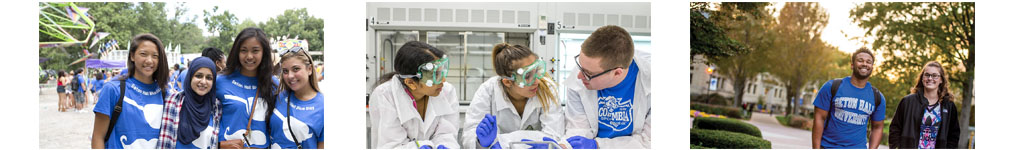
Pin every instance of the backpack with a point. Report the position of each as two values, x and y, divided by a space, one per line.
834 91
75 84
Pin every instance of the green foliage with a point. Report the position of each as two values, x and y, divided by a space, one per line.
123 21
707 37
731 112
222 25
298 23
726 140
801 122
750 24
726 124
931 31
693 146
803 57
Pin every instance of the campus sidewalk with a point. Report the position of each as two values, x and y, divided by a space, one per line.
782 137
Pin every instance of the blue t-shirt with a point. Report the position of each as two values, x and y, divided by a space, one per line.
81 80
94 85
615 106
140 116
181 79
308 122
236 93
854 109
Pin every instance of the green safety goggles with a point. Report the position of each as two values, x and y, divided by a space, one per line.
433 72
528 75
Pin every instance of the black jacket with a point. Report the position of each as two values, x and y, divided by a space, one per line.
908 118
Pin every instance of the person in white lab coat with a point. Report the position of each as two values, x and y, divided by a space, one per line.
521 100
608 103
414 107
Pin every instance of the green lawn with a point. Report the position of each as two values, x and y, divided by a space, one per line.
783 120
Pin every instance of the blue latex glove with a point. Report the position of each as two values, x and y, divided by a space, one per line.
441 147
540 146
486 131
579 142
425 147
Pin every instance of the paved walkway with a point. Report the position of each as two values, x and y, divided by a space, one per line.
63 130
782 137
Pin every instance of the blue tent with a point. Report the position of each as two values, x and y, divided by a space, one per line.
112 64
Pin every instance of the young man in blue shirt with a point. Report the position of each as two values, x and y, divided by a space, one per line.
608 103
842 116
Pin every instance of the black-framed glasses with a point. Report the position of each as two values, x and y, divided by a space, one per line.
588 76
928 76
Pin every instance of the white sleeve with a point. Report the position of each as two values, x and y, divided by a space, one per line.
386 129
553 122
576 120
448 127
479 106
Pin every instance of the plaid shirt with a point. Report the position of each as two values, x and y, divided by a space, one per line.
171 120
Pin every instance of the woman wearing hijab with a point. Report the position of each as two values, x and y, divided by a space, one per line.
191 117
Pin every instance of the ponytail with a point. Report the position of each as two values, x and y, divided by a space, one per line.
503 55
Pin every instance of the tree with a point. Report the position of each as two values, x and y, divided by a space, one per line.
913 33
707 37
752 25
298 23
124 20
221 25
803 56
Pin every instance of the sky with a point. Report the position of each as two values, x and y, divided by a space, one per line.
840 28
257 11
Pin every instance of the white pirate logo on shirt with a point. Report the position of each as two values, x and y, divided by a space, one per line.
617 112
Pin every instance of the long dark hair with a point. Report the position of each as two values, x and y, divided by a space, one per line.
409 57
264 76
162 70
943 90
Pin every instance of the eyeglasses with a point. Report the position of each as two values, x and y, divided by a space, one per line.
926 75
588 76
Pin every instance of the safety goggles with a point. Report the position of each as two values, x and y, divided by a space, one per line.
298 50
529 74
433 72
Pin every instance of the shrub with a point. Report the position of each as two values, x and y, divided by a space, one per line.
712 98
800 122
731 112
726 140
694 146
727 125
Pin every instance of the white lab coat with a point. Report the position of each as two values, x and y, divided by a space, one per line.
395 122
535 124
582 109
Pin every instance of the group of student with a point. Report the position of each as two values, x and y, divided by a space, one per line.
607 102
239 103
925 119
75 88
